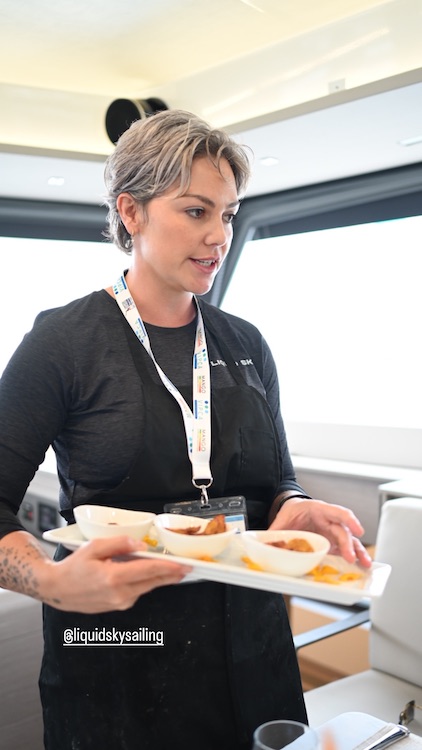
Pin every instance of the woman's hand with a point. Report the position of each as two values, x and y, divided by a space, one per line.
92 579
101 576
335 522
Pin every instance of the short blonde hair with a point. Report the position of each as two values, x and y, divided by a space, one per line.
157 152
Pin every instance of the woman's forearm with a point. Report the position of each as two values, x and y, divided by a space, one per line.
25 565
101 576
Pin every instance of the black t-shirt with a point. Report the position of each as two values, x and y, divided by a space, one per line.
72 384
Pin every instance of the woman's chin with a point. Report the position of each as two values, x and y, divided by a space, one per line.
203 286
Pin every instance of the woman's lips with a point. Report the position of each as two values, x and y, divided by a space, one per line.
208 266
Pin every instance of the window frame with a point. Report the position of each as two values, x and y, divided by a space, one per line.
372 197
52 220
375 196
382 195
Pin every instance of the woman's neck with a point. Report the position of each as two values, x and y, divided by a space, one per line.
165 315
167 311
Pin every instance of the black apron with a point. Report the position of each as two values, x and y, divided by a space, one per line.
228 663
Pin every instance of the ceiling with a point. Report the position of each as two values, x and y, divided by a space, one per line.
328 89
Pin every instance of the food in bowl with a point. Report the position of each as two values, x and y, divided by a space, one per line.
174 531
96 521
300 545
217 525
261 550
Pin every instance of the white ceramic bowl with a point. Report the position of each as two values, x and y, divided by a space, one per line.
97 521
186 545
284 561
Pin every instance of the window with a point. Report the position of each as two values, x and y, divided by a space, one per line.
38 274
341 307
329 273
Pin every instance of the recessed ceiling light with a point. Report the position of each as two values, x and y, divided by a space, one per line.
269 161
56 181
411 141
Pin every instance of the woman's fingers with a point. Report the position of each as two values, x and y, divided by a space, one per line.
112 547
350 548
338 524
100 577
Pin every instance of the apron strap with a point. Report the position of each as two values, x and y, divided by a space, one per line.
231 365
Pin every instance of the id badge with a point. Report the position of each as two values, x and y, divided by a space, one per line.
233 508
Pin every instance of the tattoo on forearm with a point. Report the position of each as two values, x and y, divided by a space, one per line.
16 571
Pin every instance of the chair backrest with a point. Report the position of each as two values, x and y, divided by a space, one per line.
396 617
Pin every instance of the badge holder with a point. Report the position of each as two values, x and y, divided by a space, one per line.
233 508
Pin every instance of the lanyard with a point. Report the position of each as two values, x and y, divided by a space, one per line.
197 423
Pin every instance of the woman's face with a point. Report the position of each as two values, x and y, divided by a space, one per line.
180 242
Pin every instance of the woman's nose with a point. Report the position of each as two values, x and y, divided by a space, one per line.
219 232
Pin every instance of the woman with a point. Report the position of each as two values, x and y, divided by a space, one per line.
116 404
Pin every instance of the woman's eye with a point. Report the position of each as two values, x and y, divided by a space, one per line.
199 212
195 212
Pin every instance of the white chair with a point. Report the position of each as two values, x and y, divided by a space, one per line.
395 639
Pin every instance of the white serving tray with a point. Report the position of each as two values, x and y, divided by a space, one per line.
231 569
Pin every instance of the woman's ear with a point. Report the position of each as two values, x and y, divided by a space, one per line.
130 212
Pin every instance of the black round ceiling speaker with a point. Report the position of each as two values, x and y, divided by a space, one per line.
122 112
